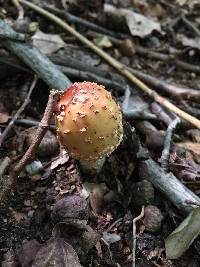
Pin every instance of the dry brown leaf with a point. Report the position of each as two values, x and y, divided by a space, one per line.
56 253
47 43
138 24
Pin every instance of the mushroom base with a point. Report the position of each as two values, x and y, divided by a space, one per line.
92 167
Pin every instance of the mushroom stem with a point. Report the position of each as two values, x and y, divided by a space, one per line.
92 167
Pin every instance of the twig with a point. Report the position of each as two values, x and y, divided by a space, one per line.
170 59
38 62
169 185
168 142
85 75
190 25
19 8
173 90
138 114
134 234
19 111
161 113
80 21
7 186
118 221
167 59
126 98
116 64
30 123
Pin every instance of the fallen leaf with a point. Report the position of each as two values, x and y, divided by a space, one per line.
183 236
57 252
138 24
47 43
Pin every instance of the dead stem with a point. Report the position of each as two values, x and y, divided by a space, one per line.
134 233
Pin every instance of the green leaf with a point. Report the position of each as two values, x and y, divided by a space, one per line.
183 236
103 41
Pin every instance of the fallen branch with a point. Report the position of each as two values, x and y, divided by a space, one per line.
169 185
38 62
124 71
19 111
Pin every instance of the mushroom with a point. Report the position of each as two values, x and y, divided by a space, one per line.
89 123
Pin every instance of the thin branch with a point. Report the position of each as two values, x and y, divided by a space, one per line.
11 180
80 21
30 123
166 58
19 111
134 234
161 113
168 142
117 65
138 114
19 8
86 75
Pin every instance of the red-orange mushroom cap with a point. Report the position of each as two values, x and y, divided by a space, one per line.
89 121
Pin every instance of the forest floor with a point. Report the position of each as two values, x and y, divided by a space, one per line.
57 215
